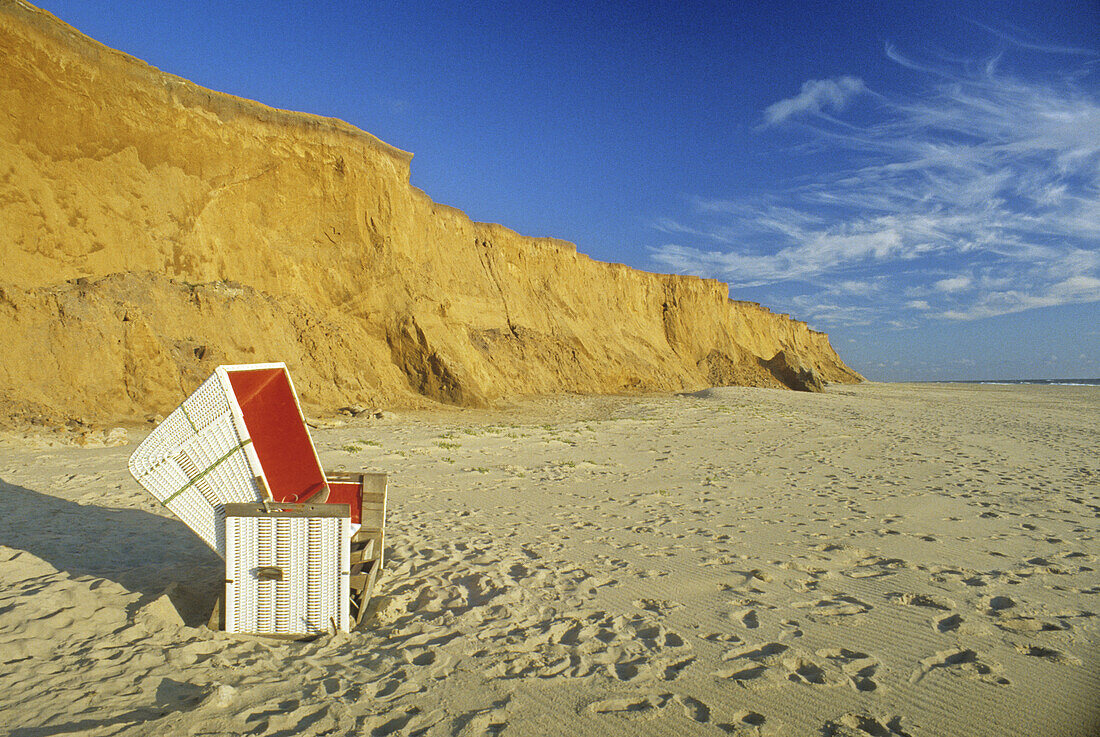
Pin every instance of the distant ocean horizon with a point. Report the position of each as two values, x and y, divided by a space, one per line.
1009 382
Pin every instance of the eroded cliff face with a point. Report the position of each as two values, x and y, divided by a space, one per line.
151 229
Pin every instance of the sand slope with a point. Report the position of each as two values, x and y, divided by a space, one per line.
875 560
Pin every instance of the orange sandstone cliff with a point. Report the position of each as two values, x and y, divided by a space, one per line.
151 229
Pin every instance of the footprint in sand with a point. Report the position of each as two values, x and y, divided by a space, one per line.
835 606
943 624
650 705
484 722
862 725
400 723
775 662
672 672
694 709
657 606
1006 614
637 648
1026 625
876 567
401 684
747 618
790 629
1046 653
801 670
961 661
923 600
746 724
948 623
744 580
750 663
858 668
637 705
998 604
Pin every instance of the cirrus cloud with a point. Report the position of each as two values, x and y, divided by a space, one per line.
977 197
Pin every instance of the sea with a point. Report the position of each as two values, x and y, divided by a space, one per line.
1041 382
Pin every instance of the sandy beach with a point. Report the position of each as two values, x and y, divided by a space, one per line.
875 560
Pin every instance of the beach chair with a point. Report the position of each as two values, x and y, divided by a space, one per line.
236 464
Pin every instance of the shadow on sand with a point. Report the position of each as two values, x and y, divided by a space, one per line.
143 552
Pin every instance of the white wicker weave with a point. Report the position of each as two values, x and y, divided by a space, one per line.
200 458
287 569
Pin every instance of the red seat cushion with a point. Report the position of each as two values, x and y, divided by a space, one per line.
346 493
278 433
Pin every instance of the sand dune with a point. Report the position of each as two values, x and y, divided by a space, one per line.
874 560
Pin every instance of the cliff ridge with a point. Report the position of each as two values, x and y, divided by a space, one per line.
152 229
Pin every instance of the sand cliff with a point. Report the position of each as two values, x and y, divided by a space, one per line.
151 229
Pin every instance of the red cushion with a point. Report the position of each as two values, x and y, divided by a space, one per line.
278 433
346 493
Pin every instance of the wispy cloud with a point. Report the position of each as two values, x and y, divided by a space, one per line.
816 95
1074 290
978 197
1018 41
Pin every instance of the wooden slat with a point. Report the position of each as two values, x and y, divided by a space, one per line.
368 544
286 509
366 573
379 539
367 533
372 520
362 586
361 552
374 483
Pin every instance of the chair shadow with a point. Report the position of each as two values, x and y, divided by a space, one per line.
172 696
143 552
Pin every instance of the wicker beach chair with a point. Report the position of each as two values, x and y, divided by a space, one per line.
236 464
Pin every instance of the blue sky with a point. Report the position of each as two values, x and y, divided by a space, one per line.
920 180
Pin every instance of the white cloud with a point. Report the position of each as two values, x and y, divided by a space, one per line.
816 95
828 313
977 197
857 287
1034 45
954 284
1074 290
